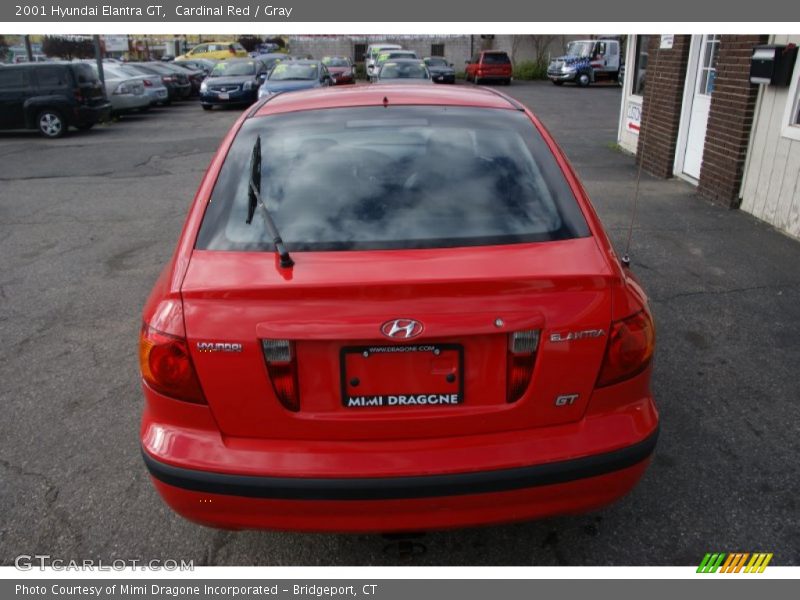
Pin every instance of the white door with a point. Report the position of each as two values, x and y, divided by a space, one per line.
701 103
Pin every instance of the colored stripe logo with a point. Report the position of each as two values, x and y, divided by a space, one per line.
736 562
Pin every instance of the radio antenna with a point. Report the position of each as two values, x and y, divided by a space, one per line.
644 130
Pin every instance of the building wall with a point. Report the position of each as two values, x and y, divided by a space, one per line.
729 121
662 103
528 47
771 188
457 48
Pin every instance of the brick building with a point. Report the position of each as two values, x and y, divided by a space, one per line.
689 110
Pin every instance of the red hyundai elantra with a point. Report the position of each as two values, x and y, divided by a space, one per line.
393 309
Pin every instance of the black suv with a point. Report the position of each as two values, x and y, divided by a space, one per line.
50 97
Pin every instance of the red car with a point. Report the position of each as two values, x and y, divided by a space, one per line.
341 69
489 65
393 308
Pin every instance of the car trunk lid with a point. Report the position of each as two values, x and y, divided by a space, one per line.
337 307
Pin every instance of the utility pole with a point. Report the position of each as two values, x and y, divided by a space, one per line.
98 55
28 49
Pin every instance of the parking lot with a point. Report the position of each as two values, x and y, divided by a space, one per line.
88 221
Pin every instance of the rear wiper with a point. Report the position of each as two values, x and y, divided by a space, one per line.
254 201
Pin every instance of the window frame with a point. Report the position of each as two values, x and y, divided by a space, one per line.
637 53
791 117
707 73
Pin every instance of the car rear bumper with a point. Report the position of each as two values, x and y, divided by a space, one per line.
89 115
493 76
393 486
157 95
127 102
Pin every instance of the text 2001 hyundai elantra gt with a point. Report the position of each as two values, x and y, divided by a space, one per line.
393 309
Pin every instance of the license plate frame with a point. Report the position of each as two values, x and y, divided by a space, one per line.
406 399
224 96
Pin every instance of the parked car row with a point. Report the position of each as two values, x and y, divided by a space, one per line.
53 96
378 55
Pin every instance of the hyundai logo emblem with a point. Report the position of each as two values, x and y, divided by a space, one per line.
402 328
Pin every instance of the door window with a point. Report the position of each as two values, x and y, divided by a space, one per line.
708 67
52 77
640 65
12 78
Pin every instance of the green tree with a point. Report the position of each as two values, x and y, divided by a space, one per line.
3 48
250 42
67 47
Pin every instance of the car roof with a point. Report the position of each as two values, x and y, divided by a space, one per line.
375 95
37 64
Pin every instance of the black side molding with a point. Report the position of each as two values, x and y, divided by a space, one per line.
394 488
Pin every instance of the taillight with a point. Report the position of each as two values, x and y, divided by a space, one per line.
282 369
522 346
167 367
167 79
630 349
147 83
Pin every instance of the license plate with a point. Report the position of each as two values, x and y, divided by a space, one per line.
224 96
403 376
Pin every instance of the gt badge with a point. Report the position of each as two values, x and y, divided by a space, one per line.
566 399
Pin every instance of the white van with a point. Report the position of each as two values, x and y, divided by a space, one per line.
372 53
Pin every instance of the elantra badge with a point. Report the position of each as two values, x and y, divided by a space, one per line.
569 336
402 328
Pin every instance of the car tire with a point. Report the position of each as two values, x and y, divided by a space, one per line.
206 106
507 81
583 79
51 123
557 82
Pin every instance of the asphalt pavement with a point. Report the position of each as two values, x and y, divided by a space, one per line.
88 221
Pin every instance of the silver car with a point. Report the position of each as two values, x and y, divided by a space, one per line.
126 93
154 88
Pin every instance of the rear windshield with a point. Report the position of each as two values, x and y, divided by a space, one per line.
400 177
335 61
496 58
85 73
403 70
